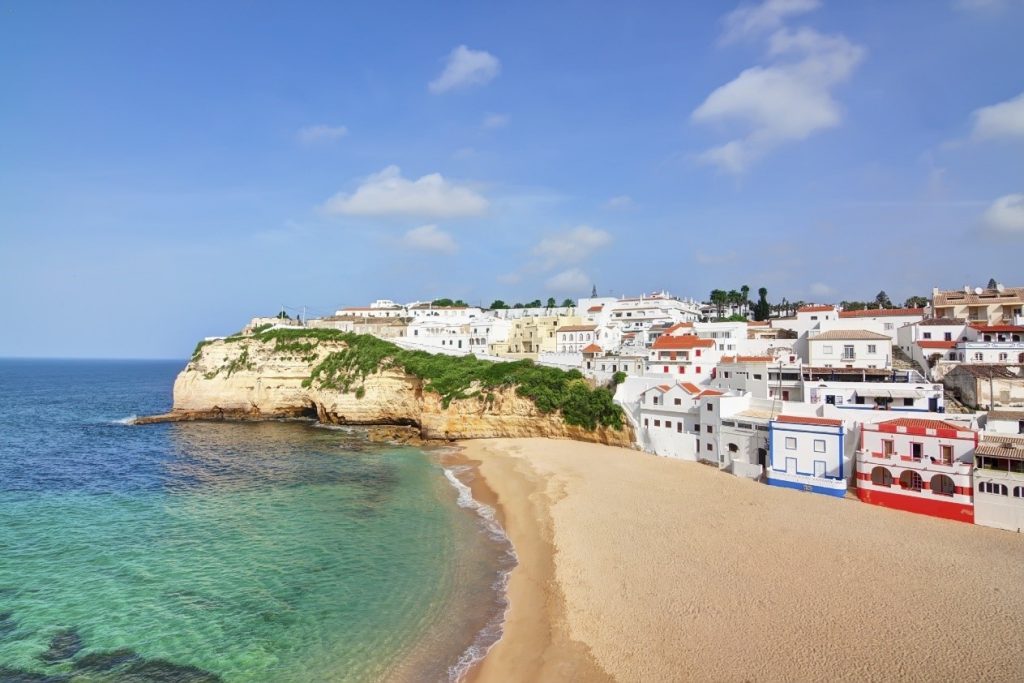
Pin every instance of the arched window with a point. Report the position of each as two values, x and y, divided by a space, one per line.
1018 491
733 448
880 476
910 481
992 487
941 485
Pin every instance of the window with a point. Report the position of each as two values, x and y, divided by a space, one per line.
757 376
941 485
991 487
666 368
826 349
859 400
908 402
646 422
888 326
709 430
910 481
668 424
709 447
946 454
948 336
1003 357
791 443
657 423
872 348
726 375
679 427
679 401
881 477
710 407
978 356
916 450
927 335
682 369
848 351
655 399
1018 491
819 445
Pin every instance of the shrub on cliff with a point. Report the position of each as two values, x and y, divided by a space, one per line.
452 377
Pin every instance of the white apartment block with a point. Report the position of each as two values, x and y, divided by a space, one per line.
849 349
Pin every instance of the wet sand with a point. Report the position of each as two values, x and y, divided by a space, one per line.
634 567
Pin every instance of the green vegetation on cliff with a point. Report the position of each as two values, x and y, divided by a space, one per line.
451 377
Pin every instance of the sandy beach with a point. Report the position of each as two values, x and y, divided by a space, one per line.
634 567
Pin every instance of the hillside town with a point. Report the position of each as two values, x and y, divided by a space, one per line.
918 408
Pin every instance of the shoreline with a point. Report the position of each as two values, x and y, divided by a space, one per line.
534 643
635 567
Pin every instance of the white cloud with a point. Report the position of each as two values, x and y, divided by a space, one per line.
821 289
620 202
786 101
1006 215
387 193
1002 120
509 278
571 247
311 135
429 238
570 281
465 68
705 259
980 5
748 20
493 121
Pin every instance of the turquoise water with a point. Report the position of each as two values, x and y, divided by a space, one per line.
246 552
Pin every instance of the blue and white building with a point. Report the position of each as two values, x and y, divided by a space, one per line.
809 454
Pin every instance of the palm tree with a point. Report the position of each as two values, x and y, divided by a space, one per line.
745 291
718 298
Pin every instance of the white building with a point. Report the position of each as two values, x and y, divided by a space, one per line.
809 454
1005 421
885 321
573 338
920 396
999 482
439 334
849 349
486 330
670 416
683 358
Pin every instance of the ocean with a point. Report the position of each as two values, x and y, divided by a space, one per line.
274 551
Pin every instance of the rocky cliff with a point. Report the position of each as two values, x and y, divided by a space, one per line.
252 378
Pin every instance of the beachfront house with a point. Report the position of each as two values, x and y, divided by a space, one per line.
670 420
683 358
999 482
918 465
808 453
849 349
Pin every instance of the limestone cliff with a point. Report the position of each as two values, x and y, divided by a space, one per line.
246 378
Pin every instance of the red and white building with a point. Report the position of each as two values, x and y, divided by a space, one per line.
682 358
918 465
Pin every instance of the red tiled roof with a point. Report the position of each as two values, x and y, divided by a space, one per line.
687 341
710 392
758 323
664 387
935 344
690 387
747 359
814 309
880 312
593 348
997 328
595 309
678 326
796 419
577 328
923 423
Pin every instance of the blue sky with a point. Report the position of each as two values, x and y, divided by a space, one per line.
168 170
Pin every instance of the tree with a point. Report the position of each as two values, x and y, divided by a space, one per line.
734 298
518 306
442 302
498 303
916 302
745 291
882 299
992 284
551 302
568 303
718 298
283 315
534 304
762 310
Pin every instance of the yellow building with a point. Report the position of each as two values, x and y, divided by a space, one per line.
528 337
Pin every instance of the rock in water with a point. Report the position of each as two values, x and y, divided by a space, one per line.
154 670
7 624
21 676
101 662
64 645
